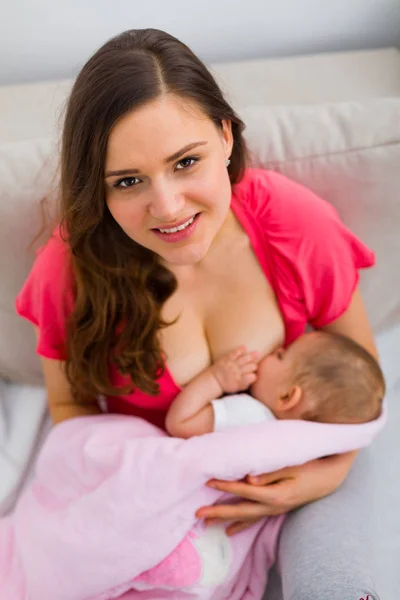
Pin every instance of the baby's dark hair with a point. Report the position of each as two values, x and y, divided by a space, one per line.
342 382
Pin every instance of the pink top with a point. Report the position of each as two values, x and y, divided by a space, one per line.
309 257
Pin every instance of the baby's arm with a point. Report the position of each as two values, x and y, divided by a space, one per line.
191 412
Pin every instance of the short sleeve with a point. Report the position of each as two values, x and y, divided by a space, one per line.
239 409
317 255
46 298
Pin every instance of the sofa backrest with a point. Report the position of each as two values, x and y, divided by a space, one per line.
348 152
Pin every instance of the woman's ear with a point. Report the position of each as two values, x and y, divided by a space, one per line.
227 136
291 399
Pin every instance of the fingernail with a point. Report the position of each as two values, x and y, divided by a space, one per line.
211 484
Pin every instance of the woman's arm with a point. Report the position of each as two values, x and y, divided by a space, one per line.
60 400
355 325
287 489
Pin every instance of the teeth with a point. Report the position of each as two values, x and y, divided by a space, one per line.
175 229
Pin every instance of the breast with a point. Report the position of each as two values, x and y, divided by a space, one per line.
233 304
184 343
249 316
243 309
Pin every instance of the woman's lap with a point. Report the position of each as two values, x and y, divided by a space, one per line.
326 547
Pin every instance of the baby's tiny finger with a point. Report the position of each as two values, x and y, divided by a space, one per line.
249 378
245 359
249 368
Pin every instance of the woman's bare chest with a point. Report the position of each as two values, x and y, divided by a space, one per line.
230 305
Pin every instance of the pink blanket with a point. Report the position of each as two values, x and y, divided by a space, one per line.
111 510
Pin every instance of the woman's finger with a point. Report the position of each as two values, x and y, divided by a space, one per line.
257 493
238 488
270 478
234 527
243 511
289 472
208 522
239 526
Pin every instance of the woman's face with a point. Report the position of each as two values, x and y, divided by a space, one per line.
175 176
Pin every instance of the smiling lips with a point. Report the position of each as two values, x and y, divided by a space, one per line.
177 227
180 232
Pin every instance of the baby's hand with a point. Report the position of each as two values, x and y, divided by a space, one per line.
236 371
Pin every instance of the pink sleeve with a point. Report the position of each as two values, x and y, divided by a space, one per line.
46 299
323 255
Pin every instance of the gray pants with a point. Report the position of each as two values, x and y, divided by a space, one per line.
325 550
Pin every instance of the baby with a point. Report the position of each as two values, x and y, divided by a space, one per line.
319 377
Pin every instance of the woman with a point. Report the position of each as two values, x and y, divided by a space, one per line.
171 252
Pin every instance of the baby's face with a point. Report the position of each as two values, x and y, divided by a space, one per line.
275 371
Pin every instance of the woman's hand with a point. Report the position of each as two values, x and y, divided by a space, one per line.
278 492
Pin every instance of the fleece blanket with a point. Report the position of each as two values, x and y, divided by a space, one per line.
110 512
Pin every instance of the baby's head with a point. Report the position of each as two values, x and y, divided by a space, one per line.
321 377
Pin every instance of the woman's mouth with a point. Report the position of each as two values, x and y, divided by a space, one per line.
179 233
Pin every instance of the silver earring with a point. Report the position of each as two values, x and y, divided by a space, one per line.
228 162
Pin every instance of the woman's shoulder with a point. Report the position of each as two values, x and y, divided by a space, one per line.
296 222
278 201
47 296
50 280
55 252
315 256
52 266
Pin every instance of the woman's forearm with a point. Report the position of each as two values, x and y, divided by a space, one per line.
62 412
354 324
340 465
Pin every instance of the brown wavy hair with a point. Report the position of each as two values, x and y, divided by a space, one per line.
120 286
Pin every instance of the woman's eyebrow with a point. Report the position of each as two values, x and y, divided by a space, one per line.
166 160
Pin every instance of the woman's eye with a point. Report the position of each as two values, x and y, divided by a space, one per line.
192 160
126 182
118 184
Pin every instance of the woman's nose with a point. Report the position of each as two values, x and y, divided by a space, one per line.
166 204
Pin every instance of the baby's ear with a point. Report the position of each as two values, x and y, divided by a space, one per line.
291 399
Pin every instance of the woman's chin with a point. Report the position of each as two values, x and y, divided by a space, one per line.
185 256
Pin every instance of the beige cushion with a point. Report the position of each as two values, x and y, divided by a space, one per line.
311 79
349 153
31 110
27 171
